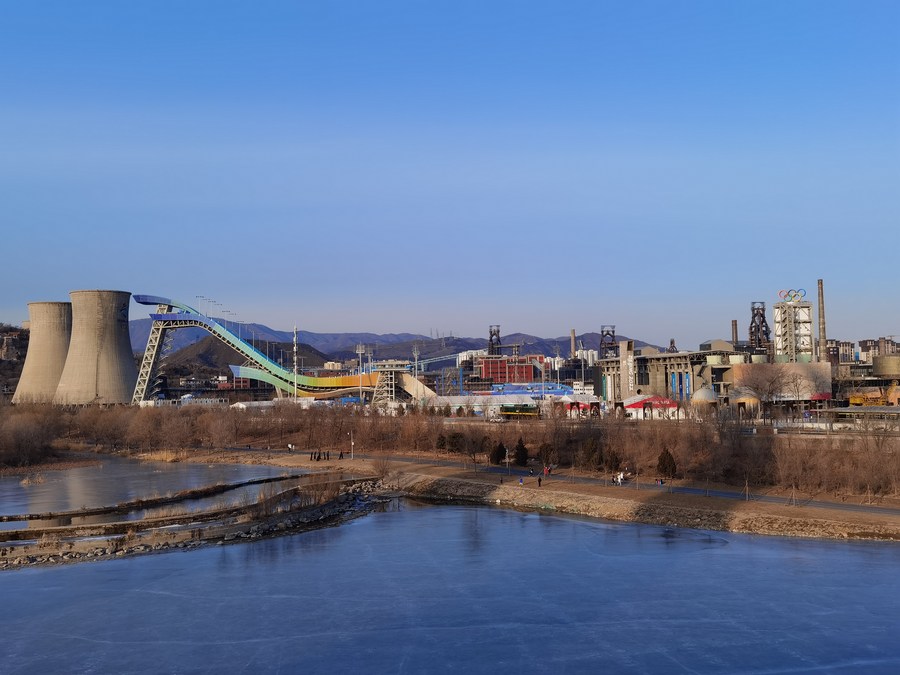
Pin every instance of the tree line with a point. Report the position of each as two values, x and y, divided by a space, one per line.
864 463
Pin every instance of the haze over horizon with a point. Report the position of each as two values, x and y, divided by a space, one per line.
412 167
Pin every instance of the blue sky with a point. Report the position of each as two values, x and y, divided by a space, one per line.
441 166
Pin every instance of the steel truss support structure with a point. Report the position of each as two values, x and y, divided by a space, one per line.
156 344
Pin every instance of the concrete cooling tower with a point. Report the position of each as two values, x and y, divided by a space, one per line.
51 329
100 366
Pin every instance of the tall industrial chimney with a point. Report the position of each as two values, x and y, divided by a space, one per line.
734 333
823 342
572 349
51 329
100 365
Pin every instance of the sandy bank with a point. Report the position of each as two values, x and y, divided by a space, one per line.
670 510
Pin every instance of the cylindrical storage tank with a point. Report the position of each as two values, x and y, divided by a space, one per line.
886 366
100 366
714 359
759 358
736 358
51 329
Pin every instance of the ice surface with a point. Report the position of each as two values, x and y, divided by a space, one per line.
466 589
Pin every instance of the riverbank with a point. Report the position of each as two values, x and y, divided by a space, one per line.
668 510
430 477
290 511
381 479
60 463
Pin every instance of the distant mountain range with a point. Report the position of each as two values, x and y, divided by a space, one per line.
328 343
342 346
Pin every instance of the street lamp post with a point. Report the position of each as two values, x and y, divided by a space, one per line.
360 350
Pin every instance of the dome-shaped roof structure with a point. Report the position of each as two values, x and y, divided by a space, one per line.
704 396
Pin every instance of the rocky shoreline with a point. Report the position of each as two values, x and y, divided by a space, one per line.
142 538
720 515
361 496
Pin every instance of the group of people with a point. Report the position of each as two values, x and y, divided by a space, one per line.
546 473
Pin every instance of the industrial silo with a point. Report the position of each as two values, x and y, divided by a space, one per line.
100 366
51 329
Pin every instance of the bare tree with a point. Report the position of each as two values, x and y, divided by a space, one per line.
766 381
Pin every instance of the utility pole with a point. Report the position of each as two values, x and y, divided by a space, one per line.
360 350
295 360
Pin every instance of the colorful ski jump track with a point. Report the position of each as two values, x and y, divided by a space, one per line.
172 315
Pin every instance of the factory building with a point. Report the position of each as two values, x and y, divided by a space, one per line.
501 369
673 375
715 374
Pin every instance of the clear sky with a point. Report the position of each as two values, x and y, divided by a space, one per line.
432 165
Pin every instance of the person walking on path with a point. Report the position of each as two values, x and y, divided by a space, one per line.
539 481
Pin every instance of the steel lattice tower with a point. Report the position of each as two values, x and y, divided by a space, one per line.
760 335
609 348
494 340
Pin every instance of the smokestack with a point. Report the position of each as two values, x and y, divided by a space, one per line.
51 329
573 344
823 342
734 333
100 364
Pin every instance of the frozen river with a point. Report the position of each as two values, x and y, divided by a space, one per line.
113 480
465 589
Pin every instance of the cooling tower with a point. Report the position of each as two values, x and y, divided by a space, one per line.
51 328
100 366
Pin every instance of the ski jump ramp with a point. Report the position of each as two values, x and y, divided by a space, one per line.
171 315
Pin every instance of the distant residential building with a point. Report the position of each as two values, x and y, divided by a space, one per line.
869 349
841 351
589 356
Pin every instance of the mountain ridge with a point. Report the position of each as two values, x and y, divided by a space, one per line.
342 346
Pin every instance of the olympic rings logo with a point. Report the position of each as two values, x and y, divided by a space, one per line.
792 295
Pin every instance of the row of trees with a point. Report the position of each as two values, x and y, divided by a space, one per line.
715 450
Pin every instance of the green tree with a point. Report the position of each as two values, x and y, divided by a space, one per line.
613 461
520 453
498 454
665 466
